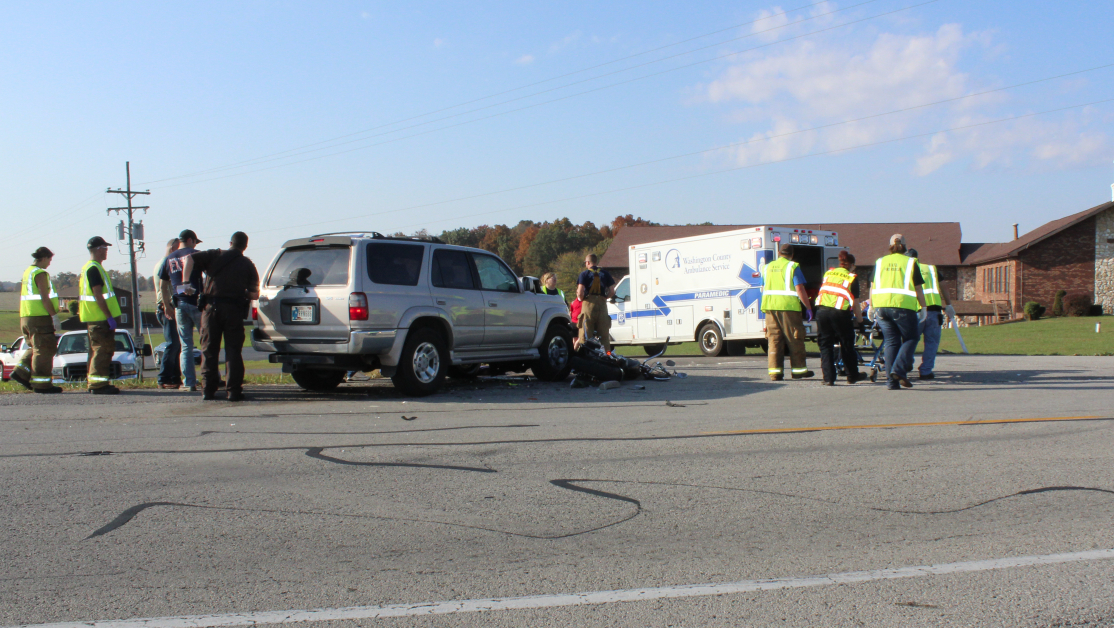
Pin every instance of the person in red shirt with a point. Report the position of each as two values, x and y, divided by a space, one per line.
574 310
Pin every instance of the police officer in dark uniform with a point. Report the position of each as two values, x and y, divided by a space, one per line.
231 284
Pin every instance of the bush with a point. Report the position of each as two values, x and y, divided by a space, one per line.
72 307
1033 310
1078 305
1058 303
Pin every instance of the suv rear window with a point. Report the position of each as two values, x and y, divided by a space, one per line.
311 267
394 264
451 270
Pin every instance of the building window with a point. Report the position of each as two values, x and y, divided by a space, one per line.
123 301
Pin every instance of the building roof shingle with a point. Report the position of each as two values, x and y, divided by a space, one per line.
991 252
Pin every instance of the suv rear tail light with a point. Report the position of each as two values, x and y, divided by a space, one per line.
254 313
357 306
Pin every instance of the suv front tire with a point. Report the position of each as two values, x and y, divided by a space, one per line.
423 363
553 366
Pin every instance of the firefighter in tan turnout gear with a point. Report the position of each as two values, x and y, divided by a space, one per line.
38 320
783 296
594 287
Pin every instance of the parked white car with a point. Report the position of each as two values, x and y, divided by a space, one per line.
71 363
10 355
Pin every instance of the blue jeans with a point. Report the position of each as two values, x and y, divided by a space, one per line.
931 330
189 318
170 372
899 331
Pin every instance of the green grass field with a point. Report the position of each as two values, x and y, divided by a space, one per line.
1050 336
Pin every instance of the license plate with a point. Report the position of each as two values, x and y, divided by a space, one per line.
301 313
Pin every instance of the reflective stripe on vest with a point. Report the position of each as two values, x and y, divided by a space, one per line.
30 300
894 288
931 285
836 289
89 311
777 292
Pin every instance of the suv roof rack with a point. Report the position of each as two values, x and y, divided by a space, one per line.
379 236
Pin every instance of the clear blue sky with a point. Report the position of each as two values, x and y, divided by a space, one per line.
179 88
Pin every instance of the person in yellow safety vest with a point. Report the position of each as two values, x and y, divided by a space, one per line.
783 294
98 310
38 320
837 315
897 299
936 300
594 287
549 285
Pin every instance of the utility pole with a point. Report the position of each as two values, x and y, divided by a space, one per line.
131 233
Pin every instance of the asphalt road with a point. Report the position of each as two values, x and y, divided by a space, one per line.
504 488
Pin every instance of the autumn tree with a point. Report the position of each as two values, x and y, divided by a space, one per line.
65 280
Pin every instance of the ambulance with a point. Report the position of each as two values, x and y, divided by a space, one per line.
708 288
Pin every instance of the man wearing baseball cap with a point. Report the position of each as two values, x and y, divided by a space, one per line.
98 310
182 293
38 320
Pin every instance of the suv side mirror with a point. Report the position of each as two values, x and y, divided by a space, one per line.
146 350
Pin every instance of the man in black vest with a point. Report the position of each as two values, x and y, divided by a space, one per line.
231 284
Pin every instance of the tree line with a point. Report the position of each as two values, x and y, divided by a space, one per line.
533 248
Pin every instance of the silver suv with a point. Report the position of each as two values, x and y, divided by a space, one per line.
414 308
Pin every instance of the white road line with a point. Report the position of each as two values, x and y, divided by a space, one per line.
576 599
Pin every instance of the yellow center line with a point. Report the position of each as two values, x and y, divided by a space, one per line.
782 430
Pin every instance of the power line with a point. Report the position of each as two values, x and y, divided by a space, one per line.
46 223
545 102
527 86
700 152
776 161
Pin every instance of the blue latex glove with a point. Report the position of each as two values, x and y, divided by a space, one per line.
112 323
808 315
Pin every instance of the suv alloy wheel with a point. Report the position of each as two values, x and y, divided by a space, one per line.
423 364
553 366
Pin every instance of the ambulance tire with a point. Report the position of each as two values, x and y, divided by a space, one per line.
652 349
711 341
736 347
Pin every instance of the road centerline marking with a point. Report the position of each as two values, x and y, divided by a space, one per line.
821 428
578 599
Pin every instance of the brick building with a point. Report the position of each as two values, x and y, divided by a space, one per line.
1074 253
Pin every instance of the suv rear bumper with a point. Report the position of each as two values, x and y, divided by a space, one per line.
364 350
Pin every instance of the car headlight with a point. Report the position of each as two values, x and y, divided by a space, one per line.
127 368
